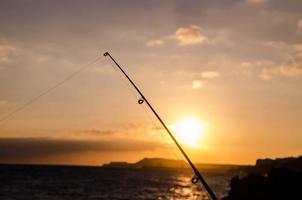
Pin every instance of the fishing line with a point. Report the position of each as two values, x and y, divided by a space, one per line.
134 95
173 151
198 176
163 136
147 114
45 92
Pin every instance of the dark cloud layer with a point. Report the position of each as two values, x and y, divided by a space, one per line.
99 132
20 149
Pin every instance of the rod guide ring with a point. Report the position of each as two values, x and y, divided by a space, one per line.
140 101
194 180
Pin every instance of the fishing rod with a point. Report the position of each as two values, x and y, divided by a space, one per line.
198 176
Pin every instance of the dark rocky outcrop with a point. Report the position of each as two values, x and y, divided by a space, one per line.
269 179
292 163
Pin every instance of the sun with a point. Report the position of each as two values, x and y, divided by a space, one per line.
189 131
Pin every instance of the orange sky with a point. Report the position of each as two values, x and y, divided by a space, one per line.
234 65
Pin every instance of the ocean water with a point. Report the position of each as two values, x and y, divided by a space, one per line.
26 182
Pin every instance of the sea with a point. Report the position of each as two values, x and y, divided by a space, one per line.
26 182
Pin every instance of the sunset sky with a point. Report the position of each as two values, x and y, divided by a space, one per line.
232 70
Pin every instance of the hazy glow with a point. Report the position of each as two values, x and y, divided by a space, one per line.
190 131
237 64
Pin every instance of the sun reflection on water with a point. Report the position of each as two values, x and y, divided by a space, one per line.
184 189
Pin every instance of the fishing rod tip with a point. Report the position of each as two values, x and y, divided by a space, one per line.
106 54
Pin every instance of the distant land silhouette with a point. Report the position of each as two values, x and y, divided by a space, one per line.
174 164
261 166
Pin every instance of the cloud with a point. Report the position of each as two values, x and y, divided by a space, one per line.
13 150
256 1
3 103
197 84
184 36
190 35
299 25
298 47
291 68
298 51
200 82
210 74
6 52
154 43
246 64
283 70
98 132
